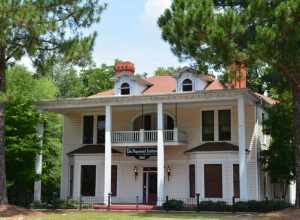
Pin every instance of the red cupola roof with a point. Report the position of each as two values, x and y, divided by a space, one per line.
125 66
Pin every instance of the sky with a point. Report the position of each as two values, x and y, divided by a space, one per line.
128 31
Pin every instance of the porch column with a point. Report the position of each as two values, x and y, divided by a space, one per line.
160 155
38 164
242 150
107 166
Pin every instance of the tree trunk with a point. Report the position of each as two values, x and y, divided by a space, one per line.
296 116
3 195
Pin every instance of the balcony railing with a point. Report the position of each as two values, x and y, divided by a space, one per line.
147 136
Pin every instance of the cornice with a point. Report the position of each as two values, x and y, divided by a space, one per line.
92 102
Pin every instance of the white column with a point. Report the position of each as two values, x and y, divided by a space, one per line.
107 165
160 155
242 149
38 165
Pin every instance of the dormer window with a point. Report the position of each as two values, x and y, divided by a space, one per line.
187 85
125 89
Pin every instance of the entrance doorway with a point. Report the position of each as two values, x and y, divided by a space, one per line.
150 185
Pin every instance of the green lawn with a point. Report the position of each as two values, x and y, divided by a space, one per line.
142 216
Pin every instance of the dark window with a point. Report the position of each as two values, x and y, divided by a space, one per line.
207 125
213 180
187 85
169 124
125 89
224 125
71 180
192 180
88 128
101 129
114 178
236 181
88 180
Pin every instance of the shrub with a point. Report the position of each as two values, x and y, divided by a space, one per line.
173 204
219 206
260 206
55 204
249 206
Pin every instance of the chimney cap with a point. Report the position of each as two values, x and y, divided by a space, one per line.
124 66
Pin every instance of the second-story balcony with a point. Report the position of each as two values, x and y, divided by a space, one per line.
147 137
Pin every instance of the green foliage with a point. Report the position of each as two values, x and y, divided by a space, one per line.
48 30
173 204
219 206
260 206
86 82
55 204
95 80
279 159
249 206
21 140
215 34
161 71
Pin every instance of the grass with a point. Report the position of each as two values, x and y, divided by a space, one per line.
93 215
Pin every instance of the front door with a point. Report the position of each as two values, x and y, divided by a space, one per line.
150 185
152 188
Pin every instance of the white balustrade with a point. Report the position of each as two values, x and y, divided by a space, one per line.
147 136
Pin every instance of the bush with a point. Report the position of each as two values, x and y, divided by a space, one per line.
55 204
173 204
249 206
260 206
218 206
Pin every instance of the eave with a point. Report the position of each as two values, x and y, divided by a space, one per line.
61 105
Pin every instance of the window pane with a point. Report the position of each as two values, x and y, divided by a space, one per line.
71 180
236 181
101 129
187 85
213 180
88 127
125 89
208 125
192 180
114 178
224 125
88 180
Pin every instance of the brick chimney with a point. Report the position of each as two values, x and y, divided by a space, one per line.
238 73
124 67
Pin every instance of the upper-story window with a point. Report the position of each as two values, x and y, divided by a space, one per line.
88 128
187 85
208 126
222 126
125 89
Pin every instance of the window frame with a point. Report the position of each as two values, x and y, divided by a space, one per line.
128 88
216 122
82 128
93 194
230 124
183 84
192 180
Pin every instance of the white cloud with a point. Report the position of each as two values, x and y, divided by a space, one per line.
154 8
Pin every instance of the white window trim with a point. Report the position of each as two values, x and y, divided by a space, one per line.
216 122
95 130
193 84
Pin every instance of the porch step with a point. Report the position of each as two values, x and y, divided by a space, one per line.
126 207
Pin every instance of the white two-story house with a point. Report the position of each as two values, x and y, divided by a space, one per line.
148 138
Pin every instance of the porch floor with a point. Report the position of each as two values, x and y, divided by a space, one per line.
126 207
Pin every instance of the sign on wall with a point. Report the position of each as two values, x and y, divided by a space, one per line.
141 153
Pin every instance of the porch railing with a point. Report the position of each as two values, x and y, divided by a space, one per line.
147 136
